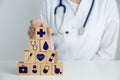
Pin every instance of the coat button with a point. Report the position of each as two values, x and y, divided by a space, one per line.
52 34
67 32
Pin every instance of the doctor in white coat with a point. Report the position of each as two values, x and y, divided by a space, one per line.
81 29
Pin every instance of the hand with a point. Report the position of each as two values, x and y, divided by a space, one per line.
36 23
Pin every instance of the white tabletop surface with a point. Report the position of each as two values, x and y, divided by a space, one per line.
75 70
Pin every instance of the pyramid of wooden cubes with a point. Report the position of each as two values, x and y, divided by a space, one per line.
40 58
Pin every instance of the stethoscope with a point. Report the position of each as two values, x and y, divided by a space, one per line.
34 45
81 31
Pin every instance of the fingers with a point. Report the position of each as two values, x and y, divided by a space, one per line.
35 22
49 30
31 32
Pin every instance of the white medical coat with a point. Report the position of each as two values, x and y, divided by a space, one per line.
99 41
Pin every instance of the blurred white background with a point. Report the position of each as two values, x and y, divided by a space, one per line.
14 22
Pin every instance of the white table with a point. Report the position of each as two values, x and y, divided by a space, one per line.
77 70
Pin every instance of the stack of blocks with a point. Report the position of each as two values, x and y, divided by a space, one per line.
40 59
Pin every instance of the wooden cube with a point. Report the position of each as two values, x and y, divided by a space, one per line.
23 68
29 57
41 33
34 45
40 57
46 45
35 69
52 56
46 69
57 69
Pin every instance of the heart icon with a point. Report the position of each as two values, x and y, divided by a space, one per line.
40 57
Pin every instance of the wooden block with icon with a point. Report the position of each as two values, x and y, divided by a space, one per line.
46 45
40 57
29 57
41 33
57 69
46 69
23 68
52 56
34 45
35 69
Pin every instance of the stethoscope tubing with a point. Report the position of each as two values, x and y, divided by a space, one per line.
64 11
86 20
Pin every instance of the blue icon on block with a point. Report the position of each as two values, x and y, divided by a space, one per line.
45 46
41 33
23 69
57 70
40 56
46 69
51 57
34 69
